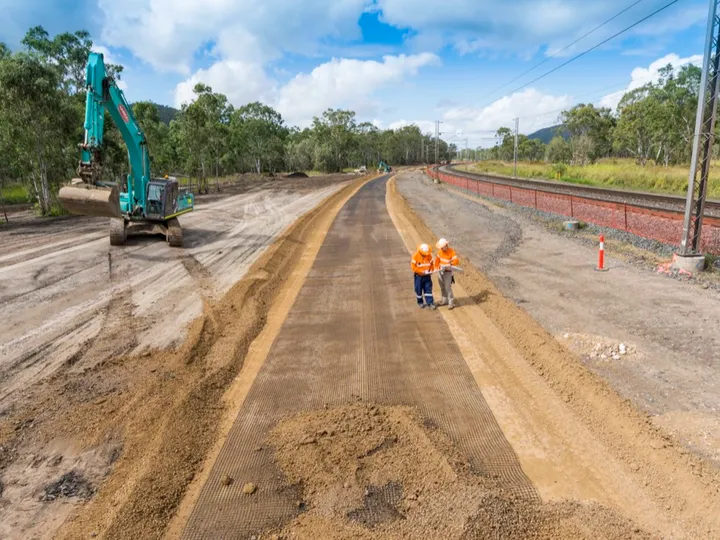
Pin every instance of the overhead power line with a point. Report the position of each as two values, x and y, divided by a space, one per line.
598 27
586 51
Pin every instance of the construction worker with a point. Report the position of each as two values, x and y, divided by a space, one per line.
445 260
422 265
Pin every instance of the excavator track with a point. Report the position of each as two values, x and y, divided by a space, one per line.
174 233
118 232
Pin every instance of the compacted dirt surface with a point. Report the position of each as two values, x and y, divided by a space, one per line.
371 418
113 360
667 329
303 394
70 298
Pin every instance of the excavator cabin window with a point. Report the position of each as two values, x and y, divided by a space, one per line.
156 199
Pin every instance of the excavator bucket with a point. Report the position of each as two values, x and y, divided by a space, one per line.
88 200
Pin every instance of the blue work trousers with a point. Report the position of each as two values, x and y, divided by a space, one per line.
423 289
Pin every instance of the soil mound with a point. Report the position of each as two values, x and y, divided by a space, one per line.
369 471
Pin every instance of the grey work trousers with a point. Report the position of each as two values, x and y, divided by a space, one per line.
445 279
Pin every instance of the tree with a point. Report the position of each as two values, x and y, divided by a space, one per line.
41 122
334 136
203 128
559 151
505 147
596 124
635 129
68 52
260 131
530 149
157 134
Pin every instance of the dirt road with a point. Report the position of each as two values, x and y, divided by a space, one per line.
671 365
315 400
370 418
70 298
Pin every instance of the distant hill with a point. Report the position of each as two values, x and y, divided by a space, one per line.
167 114
546 134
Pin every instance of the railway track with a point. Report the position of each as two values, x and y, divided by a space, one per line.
641 199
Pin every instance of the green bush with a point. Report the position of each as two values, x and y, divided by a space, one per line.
16 194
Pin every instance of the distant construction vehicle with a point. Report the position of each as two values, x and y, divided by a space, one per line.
384 167
144 205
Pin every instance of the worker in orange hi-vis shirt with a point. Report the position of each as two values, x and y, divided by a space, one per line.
422 265
445 260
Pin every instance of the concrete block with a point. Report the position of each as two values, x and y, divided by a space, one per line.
693 263
571 225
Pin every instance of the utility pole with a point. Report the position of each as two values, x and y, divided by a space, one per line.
703 140
515 152
437 138
467 153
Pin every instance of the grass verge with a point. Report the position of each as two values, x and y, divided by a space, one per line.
615 173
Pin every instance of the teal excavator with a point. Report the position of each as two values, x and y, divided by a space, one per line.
142 204
384 167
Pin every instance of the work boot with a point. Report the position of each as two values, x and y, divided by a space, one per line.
442 302
433 307
451 307
421 306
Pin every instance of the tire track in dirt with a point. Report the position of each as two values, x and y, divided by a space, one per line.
117 335
63 316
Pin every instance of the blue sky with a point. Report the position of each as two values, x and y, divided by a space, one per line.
392 61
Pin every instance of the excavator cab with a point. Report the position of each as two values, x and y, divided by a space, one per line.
162 199
155 200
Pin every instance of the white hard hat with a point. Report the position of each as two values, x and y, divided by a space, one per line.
442 243
424 249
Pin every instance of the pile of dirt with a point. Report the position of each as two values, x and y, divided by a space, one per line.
296 175
369 471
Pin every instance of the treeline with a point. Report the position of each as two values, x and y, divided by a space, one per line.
654 123
42 100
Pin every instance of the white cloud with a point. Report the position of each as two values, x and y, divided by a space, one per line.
108 57
346 83
641 76
167 33
339 83
535 109
241 82
122 85
426 126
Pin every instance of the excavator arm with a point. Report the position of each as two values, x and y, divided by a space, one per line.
89 194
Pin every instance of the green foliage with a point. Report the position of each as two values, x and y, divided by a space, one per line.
15 194
38 122
260 132
203 133
594 127
559 151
